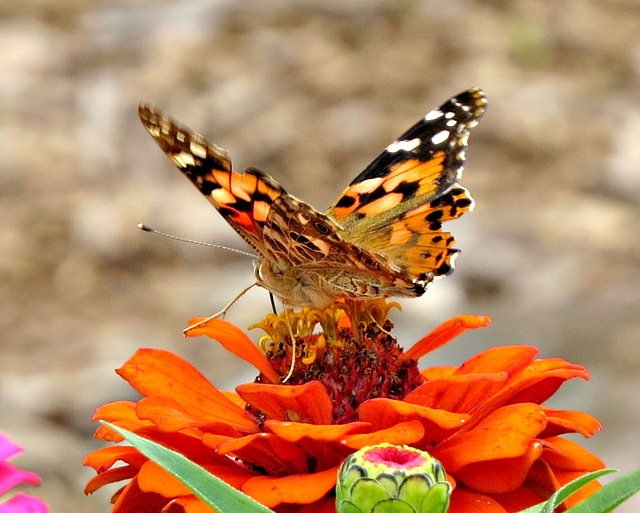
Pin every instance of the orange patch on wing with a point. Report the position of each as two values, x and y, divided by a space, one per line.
386 202
243 186
244 220
415 170
423 260
267 190
221 177
400 234
415 218
261 211
341 212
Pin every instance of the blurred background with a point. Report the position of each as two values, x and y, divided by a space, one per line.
310 92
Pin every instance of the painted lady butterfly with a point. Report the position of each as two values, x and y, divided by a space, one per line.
382 237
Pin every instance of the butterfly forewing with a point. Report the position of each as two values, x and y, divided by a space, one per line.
243 199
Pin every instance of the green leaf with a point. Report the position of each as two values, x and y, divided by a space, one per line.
610 495
211 490
560 495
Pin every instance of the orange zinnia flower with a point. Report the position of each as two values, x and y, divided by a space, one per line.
351 386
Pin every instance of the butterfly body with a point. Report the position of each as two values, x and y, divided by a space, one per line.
382 237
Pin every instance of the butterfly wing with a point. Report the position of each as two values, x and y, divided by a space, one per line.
275 224
397 205
243 199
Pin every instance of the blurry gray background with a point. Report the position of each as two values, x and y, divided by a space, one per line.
310 92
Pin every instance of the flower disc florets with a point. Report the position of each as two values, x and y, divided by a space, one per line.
354 357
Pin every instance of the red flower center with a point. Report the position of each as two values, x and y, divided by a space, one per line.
394 457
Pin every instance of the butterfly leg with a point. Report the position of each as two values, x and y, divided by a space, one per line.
273 303
222 312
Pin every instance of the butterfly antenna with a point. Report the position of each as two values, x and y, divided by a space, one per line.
146 228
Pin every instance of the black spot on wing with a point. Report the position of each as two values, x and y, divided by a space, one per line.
419 288
434 217
368 197
345 202
206 187
407 189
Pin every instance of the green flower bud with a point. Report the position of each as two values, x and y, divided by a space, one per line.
392 479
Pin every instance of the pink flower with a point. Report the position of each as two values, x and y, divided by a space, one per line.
11 476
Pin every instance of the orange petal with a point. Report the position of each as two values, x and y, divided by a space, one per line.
324 443
104 458
297 431
459 394
161 373
499 359
506 433
533 384
568 455
543 378
122 414
519 499
153 478
500 475
402 433
442 371
235 398
543 477
296 489
132 500
169 415
110 476
563 421
466 501
299 403
234 340
444 333
267 451
383 413
565 477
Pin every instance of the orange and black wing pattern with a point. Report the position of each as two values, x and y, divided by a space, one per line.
244 199
397 205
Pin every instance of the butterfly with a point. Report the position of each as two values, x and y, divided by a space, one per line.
383 235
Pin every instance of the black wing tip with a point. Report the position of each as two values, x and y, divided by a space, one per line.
473 101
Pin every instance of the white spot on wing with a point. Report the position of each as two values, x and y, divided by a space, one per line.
434 114
403 145
183 159
440 137
198 150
